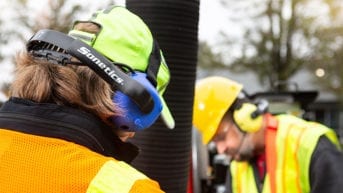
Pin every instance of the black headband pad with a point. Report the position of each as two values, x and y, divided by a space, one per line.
98 63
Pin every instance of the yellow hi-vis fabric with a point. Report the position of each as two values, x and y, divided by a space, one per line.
296 140
243 178
35 164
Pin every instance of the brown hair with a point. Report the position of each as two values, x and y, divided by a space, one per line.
75 86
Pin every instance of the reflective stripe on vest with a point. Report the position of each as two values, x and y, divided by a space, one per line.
296 140
116 177
242 177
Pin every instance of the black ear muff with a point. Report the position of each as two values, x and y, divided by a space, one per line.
248 116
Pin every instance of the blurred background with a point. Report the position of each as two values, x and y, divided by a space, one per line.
266 45
293 46
287 51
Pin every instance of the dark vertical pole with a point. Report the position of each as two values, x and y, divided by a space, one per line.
165 154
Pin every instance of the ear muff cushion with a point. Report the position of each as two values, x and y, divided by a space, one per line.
244 119
133 119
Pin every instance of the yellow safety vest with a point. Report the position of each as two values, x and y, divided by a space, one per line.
295 142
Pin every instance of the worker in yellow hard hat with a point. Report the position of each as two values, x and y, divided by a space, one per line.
269 153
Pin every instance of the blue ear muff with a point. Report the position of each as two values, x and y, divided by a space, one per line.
133 119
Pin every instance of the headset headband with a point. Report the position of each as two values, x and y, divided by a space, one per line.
98 63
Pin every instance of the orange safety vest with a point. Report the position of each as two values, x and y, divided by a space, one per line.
30 163
288 167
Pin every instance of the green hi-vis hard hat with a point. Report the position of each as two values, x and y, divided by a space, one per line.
124 38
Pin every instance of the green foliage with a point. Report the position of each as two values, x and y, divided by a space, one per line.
207 59
283 36
328 58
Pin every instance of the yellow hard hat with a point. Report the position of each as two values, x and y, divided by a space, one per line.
213 97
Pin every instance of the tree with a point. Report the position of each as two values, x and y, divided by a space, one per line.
327 63
207 58
326 56
279 35
25 17
52 14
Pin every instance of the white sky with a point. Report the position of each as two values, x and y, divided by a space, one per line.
210 22
211 19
